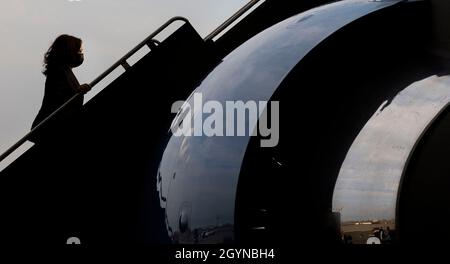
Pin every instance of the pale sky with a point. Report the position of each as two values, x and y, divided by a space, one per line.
109 29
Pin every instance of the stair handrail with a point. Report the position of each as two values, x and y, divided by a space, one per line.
231 20
121 62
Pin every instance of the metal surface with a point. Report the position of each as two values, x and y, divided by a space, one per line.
369 180
208 168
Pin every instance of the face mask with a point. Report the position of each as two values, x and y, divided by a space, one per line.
78 60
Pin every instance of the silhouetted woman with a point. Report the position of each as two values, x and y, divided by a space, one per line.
65 53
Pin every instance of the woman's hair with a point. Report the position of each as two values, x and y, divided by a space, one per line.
62 52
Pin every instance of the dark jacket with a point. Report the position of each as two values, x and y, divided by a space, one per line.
60 85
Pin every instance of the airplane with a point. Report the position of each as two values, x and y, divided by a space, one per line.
362 89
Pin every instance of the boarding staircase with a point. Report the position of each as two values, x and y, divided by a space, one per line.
96 178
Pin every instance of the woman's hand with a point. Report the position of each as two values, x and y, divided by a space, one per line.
84 88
